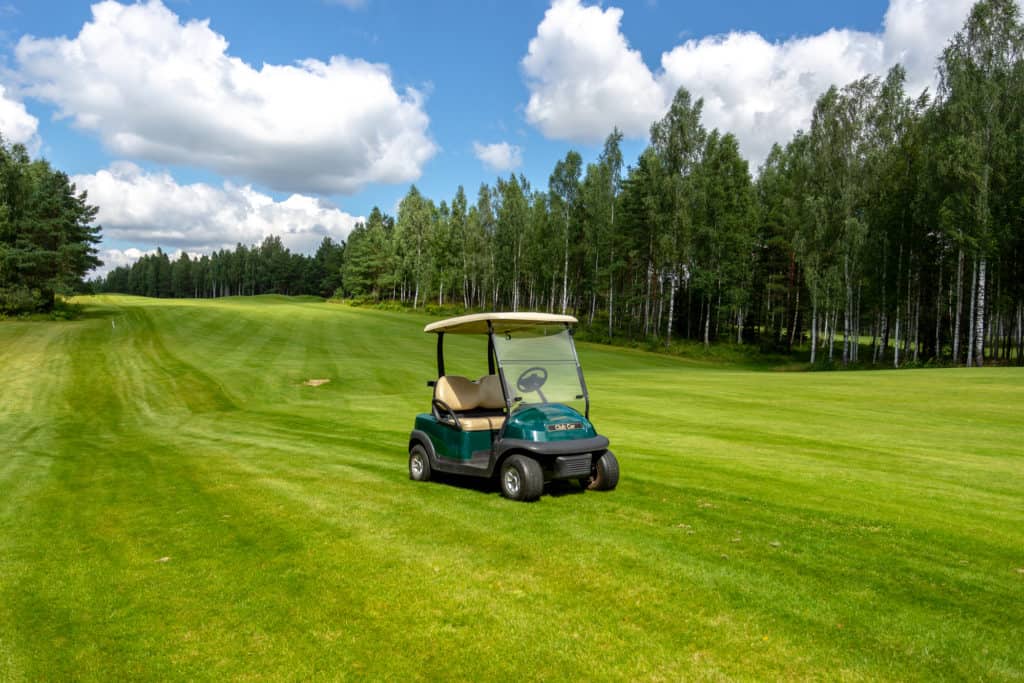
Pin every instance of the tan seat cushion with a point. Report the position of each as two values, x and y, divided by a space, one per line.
490 393
462 395
479 424
457 392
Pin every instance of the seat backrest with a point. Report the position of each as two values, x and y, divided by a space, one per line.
458 392
490 393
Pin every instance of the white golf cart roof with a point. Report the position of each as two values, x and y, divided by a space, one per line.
500 322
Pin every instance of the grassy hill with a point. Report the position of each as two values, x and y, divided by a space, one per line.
176 503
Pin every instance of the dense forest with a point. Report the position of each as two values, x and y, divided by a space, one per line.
267 268
47 233
891 231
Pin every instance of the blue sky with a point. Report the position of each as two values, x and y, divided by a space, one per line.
538 77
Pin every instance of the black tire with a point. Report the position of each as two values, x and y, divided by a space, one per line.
521 478
419 464
604 475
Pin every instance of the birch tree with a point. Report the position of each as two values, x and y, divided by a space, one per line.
564 186
979 71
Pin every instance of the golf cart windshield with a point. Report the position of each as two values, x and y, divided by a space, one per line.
538 367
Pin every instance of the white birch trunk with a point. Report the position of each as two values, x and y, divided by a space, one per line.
661 305
647 300
671 309
970 320
515 280
565 272
979 326
814 331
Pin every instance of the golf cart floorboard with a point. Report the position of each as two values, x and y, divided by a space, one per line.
475 465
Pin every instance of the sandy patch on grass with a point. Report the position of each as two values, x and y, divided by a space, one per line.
315 382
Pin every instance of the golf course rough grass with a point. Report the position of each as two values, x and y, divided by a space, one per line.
175 503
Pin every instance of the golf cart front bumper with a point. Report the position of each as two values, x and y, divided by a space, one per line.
570 459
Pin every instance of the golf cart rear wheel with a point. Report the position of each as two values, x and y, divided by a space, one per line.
521 478
419 464
604 475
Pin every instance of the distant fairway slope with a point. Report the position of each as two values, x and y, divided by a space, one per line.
176 503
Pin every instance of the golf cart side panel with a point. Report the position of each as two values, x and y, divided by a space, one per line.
451 443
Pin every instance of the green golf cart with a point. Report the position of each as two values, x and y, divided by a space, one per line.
521 422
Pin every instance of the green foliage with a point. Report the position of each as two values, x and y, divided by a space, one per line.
47 233
266 268
19 298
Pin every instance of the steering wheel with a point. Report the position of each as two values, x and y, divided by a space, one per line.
532 379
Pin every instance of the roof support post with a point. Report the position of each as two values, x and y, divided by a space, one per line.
440 355
579 370
491 355
490 352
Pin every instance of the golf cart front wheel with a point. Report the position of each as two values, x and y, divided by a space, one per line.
604 474
419 464
521 478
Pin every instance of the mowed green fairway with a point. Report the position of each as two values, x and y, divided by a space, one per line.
174 503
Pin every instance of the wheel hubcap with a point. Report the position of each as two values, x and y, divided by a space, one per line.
512 481
417 465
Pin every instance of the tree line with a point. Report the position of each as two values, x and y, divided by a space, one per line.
266 268
890 231
47 233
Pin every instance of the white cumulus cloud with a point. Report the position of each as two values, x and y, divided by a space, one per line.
763 92
499 156
146 208
584 79
155 88
916 31
16 124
